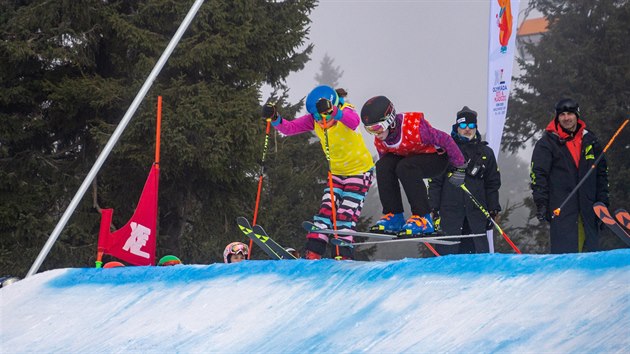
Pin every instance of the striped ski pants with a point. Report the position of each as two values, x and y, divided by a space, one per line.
349 194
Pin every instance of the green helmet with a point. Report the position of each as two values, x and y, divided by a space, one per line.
169 260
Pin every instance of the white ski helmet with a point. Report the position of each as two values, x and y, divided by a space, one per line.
234 248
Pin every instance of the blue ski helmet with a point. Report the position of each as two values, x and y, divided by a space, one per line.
318 93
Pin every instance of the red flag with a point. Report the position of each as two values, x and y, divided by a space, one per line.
136 241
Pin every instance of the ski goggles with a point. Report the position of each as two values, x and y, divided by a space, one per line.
378 128
568 107
320 116
240 248
464 125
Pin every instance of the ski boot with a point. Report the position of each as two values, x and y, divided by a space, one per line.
345 253
314 248
312 256
390 223
417 226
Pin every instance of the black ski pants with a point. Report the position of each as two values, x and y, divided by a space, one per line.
410 171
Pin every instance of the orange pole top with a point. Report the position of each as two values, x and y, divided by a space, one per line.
158 131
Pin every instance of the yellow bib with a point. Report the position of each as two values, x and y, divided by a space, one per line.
348 154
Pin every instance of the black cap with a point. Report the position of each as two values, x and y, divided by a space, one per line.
466 115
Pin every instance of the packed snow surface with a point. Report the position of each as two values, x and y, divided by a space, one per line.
466 303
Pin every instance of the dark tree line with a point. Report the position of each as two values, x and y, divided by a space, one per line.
70 70
68 73
584 55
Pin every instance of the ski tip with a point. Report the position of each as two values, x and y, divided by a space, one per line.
602 211
623 217
340 243
308 226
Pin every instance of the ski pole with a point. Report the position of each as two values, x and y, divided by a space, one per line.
485 212
260 181
599 158
432 249
330 182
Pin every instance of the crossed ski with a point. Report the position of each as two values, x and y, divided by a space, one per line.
623 218
384 238
602 212
262 240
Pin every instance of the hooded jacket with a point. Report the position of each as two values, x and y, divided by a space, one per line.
559 162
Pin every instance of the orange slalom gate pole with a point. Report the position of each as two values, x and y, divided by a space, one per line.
158 131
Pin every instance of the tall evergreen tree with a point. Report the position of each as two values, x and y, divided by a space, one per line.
69 71
328 73
583 55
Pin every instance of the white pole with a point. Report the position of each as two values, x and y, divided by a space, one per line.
115 136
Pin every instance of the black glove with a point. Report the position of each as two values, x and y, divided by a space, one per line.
542 213
458 176
269 111
493 216
325 107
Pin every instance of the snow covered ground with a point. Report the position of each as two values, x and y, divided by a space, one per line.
469 303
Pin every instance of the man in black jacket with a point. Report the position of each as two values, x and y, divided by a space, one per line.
560 159
459 216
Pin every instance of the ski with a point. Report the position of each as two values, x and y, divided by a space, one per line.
435 240
264 242
260 233
309 226
343 243
623 218
601 210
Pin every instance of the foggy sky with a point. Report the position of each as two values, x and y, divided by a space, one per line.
428 56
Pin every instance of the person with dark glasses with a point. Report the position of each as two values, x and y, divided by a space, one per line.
409 149
351 168
561 158
458 215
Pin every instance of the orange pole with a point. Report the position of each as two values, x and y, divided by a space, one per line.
99 259
251 242
158 131
260 183
557 211
330 183
432 249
